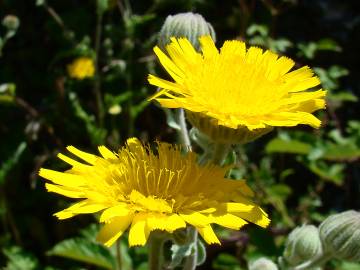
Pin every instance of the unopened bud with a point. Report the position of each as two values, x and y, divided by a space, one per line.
303 244
189 25
263 264
11 22
340 235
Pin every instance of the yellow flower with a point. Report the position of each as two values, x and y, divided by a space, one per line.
81 68
237 87
145 191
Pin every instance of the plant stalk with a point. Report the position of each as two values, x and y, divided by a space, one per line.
184 134
118 256
191 260
220 152
319 261
155 252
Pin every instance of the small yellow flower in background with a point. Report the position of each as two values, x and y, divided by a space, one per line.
145 191
237 87
81 68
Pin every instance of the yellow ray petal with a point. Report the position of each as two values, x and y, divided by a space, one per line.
208 47
64 179
110 232
308 106
65 191
106 153
90 158
169 223
292 119
234 207
83 207
166 85
119 210
73 162
208 234
169 65
228 221
195 218
234 49
139 232
257 216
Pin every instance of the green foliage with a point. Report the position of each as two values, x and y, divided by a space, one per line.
11 162
83 250
19 259
226 262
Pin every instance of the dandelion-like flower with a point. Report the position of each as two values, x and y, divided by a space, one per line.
145 191
237 87
81 68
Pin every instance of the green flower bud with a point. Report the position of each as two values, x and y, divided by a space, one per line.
303 244
189 25
263 264
11 22
340 235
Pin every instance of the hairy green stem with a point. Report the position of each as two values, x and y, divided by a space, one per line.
316 262
118 256
192 235
155 252
190 263
184 134
220 153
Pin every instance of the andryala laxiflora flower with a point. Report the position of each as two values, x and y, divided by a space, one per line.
236 88
145 191
81 68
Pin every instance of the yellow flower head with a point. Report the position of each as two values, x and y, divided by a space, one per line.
237 87
81 68
145 191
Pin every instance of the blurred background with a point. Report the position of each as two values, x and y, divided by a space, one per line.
300 175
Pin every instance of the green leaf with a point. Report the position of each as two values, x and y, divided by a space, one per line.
278 145
348 266
329 172
11 161
97 134
102 6
329 45
261 29
336 72
337 152
279 191
40 2
343 96
226 262
19 259
80 249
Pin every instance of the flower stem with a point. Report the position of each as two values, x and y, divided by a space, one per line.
118 256
319 261
184 134
155 252
220 153
190 263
